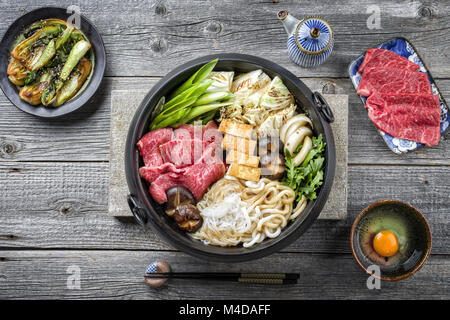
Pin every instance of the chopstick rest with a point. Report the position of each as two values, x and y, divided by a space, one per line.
160 266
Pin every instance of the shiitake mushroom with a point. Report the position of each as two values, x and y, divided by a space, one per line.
268 145
188 217
272 162
181 206
272 166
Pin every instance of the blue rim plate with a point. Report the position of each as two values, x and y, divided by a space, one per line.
403 47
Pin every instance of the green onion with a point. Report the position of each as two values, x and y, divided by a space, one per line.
211 97
197 111
200 75
196 91
166 118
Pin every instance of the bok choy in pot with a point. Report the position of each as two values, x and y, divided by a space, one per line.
50 62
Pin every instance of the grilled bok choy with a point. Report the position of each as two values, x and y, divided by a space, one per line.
198 98
50 62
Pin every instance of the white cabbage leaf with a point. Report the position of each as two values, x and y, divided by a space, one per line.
222 81
277 96
276 119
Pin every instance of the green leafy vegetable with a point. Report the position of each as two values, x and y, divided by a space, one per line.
78 51
47 54
308 177
30 77
48 60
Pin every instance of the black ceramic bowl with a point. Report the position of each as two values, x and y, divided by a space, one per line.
148 212
410 227
10 90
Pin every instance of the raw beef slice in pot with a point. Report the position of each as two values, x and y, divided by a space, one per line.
407 116
149 145
197 178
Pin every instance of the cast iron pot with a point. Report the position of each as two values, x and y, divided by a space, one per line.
149 213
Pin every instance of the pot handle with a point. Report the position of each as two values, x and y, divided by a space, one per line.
323 107
138 211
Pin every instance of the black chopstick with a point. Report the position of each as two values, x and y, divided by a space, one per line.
263 278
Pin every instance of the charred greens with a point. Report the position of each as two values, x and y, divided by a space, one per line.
50 61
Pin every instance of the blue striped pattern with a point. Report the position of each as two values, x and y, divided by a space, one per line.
303 59
311 44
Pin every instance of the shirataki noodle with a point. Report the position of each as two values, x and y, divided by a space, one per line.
237 211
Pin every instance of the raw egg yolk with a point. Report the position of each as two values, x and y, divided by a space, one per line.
385 243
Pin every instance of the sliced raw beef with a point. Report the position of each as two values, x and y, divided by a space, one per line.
390 80
208 132
177 158
150 174
382 58
183 152
212 154
149 145
197 178
187 131
407 116
211 133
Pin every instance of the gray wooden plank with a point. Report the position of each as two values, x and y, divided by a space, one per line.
104 275
84 135
149 38
64 205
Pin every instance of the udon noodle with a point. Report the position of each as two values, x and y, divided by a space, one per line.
236 211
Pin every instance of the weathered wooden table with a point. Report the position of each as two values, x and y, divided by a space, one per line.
54 173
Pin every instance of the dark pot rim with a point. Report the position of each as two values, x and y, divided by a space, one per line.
145 212
77 102
422 218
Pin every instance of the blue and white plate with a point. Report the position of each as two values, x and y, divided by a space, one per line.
404 48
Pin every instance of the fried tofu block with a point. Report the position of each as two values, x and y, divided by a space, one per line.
244 172
240 144
242 158
236 128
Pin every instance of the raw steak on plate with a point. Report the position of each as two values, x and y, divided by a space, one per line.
407 116
382 58
392 80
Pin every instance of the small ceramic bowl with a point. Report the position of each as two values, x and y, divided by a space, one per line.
82 98
410 227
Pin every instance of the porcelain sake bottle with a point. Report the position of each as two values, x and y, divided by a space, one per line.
310 41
